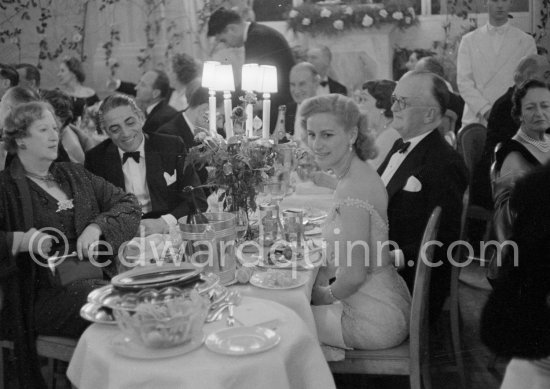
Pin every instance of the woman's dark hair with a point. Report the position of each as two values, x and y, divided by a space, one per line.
20 119
520 93
75 66
381 90
516 319
185 67
61 103
115 101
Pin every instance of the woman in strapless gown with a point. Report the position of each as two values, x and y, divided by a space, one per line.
368 304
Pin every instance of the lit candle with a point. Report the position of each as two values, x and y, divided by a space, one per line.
224 82
268 84
208 81
250 83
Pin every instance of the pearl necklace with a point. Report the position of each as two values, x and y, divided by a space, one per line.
542 145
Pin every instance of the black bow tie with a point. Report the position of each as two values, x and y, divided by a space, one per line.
131 154
324 83
400 146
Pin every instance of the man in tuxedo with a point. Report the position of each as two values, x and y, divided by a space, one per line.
502 126
29 76
321 57
487 58
420 172
151 166
262 45
152 92
8 78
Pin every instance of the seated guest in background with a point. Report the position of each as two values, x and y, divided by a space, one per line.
8 78
368 304
456 103
12 98
152 92
376 102
185 69
516 319
421 172
304 80
63 108
151 166
502 126
29 76
529 148
40 201
415 56
71 76
321 57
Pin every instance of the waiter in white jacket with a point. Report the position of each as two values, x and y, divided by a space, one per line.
487 58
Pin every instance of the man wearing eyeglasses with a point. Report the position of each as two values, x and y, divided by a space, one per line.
420 172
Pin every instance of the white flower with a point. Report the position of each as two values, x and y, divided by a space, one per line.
306 21
338 24
112 62
383 13
408 20
293 13
411 11
397 15
77 38
14 40
348 11
367 21
325 13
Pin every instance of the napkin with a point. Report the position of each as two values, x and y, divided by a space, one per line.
254 314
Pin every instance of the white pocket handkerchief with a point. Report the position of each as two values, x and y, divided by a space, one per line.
170 179
413 185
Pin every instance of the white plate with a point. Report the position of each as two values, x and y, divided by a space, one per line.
314 260
278 279
242 340
131 348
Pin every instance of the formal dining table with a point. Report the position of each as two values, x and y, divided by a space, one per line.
295 362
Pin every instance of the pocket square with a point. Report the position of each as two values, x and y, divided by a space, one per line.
170 179
413 185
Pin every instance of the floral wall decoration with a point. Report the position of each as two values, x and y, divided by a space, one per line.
331 18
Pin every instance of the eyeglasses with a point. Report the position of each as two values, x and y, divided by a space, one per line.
402 102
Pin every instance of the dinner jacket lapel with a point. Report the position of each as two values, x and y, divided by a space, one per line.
155 175
411 164
112 167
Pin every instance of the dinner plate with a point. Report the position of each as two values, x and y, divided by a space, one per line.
97 314
313 260
129 347
242 340
156 277
278 279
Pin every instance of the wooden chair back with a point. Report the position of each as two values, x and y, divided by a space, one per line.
470 143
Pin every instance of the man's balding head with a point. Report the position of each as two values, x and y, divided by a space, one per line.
304 81
532 67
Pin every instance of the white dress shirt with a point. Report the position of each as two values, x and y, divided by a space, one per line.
497 34
178 101
135 178
397 158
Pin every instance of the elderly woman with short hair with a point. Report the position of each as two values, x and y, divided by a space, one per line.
49 208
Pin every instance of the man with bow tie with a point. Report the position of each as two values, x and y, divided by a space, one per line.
321 57
420 172
151 166
487 58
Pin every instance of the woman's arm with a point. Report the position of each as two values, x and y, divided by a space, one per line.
72 145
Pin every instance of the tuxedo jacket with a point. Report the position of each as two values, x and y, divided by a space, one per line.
483 75
164 156
335 87
290 117
443 178
161 114
266 46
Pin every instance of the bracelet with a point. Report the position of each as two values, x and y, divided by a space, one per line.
331 295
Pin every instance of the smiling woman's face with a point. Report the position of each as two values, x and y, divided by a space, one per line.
124 127
42 138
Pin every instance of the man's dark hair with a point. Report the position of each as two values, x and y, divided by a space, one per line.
61 103
439 89
162 83
9 73
31 72
432 64
22 95
197 95
220 19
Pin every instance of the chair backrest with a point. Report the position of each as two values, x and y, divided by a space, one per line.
471 142
419 327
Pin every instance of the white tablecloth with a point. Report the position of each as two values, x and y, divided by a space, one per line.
296 362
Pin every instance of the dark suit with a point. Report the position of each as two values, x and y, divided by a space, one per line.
128 88
160 114
290 117
335 87
163 154
456 104
444 177
266 46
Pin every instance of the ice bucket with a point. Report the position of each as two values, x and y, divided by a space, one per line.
212 246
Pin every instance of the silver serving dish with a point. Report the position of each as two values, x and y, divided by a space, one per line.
97 314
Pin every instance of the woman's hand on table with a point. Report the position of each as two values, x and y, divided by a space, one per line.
36 242
324 179
153 226
87 240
